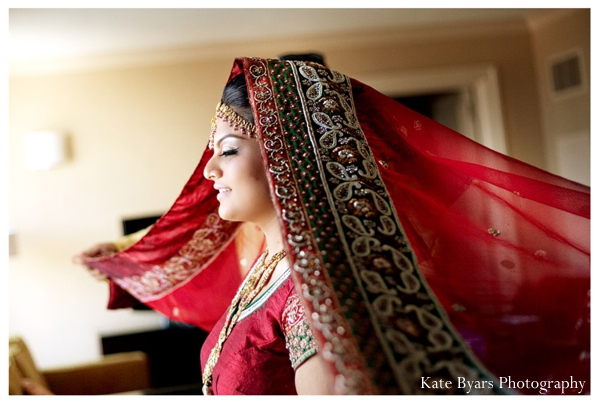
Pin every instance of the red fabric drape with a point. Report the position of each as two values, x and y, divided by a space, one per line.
505 246
501 245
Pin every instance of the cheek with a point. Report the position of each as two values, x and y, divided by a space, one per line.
253 176
257 172
260 182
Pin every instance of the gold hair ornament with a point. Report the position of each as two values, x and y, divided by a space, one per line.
233 118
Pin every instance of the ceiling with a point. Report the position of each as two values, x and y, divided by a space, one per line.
60 32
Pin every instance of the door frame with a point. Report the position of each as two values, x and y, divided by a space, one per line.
480 81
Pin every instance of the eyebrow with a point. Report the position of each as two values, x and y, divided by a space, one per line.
242 137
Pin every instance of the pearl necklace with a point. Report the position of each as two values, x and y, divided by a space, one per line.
258 278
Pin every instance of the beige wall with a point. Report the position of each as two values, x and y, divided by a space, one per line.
565 118
137 131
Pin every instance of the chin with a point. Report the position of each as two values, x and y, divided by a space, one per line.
228 215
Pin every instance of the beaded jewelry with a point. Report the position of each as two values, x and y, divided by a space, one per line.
256 281
236 121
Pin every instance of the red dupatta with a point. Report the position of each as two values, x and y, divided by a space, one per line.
418 253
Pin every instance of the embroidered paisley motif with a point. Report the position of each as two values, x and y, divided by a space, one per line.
329 169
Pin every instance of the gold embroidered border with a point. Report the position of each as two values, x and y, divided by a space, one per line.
189 261
338 345
410 327
413 330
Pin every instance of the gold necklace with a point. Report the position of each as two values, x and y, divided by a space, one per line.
258 278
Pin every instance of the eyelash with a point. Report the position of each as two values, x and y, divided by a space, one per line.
229 152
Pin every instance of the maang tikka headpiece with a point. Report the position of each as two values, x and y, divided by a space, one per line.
234 119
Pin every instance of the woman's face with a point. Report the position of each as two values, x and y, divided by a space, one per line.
240 178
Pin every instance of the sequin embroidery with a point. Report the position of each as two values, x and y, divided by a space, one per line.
299 339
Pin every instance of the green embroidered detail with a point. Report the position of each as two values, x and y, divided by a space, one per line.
299 338
301 344
347 239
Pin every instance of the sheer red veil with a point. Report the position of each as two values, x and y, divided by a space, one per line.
418 253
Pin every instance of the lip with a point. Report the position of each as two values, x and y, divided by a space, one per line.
223 191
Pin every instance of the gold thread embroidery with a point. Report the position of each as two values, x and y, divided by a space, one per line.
324 310
190 260
365 237
299 338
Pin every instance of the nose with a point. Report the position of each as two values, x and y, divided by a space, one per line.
211 170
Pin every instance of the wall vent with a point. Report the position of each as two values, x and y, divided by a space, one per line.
566 73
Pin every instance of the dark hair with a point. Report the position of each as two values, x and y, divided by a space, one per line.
235 93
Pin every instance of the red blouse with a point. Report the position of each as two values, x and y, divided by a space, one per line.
269 341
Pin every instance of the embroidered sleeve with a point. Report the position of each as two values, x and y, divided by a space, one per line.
299 339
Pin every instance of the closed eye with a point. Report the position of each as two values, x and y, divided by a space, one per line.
229 152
